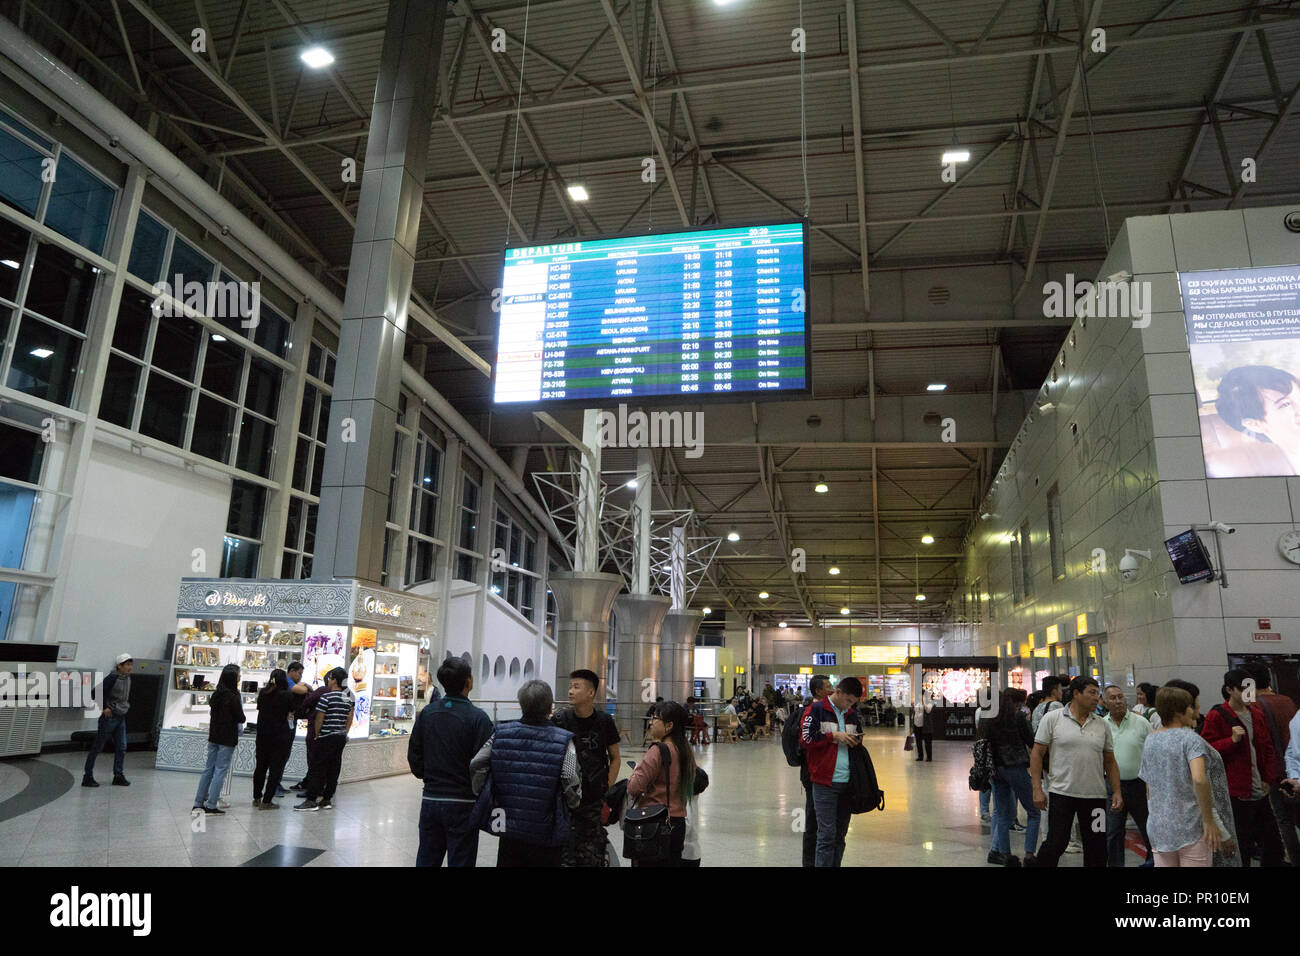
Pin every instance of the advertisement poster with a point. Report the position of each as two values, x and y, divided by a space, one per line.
1243 329
361 673
323 652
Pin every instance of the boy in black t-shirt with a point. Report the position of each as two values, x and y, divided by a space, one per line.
595 737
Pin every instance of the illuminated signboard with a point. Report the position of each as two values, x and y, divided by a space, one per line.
878 653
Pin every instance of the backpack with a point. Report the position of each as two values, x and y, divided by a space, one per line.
981 772
864 794
791 741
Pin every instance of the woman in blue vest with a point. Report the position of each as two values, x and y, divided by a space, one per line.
533 767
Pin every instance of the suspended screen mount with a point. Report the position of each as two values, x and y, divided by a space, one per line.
702 314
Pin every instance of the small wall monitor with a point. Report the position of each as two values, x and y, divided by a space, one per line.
823 660
687 315
1190 559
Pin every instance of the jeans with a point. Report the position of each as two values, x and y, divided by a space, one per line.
809 826
326 765
214 775
112 726
1134 793
445 831
1061 813
833 815
985 797
1012 785
272 755
1257 830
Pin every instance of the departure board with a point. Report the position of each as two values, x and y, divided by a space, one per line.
707 312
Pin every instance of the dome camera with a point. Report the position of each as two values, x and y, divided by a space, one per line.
1128 565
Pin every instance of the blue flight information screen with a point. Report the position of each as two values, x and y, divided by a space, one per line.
687 314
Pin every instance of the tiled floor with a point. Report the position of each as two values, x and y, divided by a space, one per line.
931 817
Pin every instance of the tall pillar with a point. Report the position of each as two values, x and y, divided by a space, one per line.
354 487
637 619
583 600
677 654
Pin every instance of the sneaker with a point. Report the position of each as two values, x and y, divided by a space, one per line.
281 792
1074 846
1012 860
120 781
196 810
1030 860
223 804
88 782
986 818
325 805
309 805
218 812
298 787
998 859
267 806
1017 828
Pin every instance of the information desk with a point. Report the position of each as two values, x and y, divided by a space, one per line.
381 638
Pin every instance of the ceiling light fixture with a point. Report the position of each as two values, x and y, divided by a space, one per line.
955 156
317 57
733 534
707 610
833 569
578 192
42 353
9 262
631 484
844 611
821 487
926 537
782 624
218 338
936 387
763 595
920 595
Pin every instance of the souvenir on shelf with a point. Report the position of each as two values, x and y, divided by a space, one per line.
256 661
188 633
182 654
182 680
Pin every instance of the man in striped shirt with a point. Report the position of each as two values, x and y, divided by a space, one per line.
333 720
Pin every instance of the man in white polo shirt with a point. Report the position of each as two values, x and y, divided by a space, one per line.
1082 759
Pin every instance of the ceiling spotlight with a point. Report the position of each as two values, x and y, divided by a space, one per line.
782 624
844 610
317 57
833 569
733 534
763 595
926 537
707 610
936 387
218 338
9 262
955 156
578 192
42 353
631 484
920 597
821 487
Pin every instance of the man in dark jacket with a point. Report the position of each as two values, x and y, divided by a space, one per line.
446 736
1238 729
818 687
307 711
531 762
115 700
830 727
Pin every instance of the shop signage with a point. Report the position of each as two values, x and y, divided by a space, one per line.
375 606
231 599
1261 636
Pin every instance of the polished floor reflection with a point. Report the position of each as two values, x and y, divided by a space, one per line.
746 817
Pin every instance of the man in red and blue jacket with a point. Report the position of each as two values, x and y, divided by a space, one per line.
828 729
1251 764
819 687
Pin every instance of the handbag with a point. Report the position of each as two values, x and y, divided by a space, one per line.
910 742
647 831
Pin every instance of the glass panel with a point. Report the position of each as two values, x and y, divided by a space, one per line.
176 346
190 264
120 383
20 173
307 411
306 566
314 356
134 315
223 366
516 544
13 250
61 286
301 462
323 422
80 205
45 362
21 453
432 460
166 405
214 427
24 129
272 331
292 527
466 568
239 559
423 570
147 248
530 553
329 369
317 470
528 587
309 536
428 515
247 502
288 565
263 391
255 439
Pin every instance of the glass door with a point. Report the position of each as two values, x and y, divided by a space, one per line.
1093 655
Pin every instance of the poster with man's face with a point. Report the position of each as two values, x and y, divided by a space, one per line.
1243 330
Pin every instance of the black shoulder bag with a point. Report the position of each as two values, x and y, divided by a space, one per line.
647 831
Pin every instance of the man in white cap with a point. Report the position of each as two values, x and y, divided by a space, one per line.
115 701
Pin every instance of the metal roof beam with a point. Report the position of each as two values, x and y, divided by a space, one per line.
1269 138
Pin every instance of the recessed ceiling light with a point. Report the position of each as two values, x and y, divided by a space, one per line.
9 262
956 156
821 487
218 338
317 57
707 610
844 610
763 595
833 570
578 192
920 597
42 353
936 387
733 534
782 624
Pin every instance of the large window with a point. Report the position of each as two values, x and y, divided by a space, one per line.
243 542
467 540
22 454
308 465
514 563
1026 562
422 540
1017 571
1055 533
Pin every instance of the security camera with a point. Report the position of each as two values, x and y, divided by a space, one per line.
1219 527
1128 568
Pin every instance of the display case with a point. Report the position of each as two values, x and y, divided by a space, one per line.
381 638
956 687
